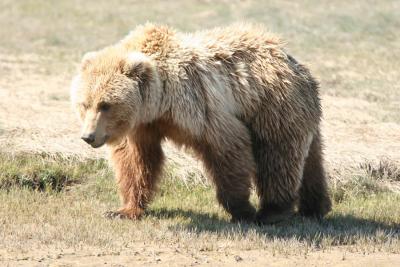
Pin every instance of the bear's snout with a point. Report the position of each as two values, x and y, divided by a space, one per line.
88 138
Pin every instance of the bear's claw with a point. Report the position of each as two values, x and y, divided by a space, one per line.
114 215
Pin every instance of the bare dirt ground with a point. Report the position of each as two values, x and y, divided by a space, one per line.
163 256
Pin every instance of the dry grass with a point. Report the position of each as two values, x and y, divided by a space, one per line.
365 218
383 170
369 178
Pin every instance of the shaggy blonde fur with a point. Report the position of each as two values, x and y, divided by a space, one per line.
248 109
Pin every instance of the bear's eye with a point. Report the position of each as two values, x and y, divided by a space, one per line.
103 106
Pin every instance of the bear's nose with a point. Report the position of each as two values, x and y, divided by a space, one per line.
88 138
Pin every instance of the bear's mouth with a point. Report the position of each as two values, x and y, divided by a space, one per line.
100 144
97 145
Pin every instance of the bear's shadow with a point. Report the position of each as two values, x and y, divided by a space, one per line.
341 229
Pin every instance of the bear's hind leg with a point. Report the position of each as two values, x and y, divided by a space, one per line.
232 179
278 177
229 161
314 196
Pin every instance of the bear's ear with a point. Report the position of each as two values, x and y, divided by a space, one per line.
87 59
138 66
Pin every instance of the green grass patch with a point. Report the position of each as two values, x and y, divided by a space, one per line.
43 172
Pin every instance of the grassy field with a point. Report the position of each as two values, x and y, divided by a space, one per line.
58 194
54 189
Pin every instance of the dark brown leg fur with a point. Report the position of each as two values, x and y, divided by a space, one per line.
229 161
279 169
232 180
314 196
137 163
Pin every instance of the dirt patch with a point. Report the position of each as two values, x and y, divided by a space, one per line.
354 132
165 256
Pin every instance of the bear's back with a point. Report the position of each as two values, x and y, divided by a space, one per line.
230 42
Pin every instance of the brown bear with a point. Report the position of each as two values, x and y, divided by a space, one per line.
248 109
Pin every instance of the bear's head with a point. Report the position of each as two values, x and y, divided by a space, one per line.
114 91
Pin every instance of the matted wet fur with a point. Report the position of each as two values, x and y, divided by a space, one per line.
248 109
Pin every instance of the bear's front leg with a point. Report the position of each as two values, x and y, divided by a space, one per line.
137 163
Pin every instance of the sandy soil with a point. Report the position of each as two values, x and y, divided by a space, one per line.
158 256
